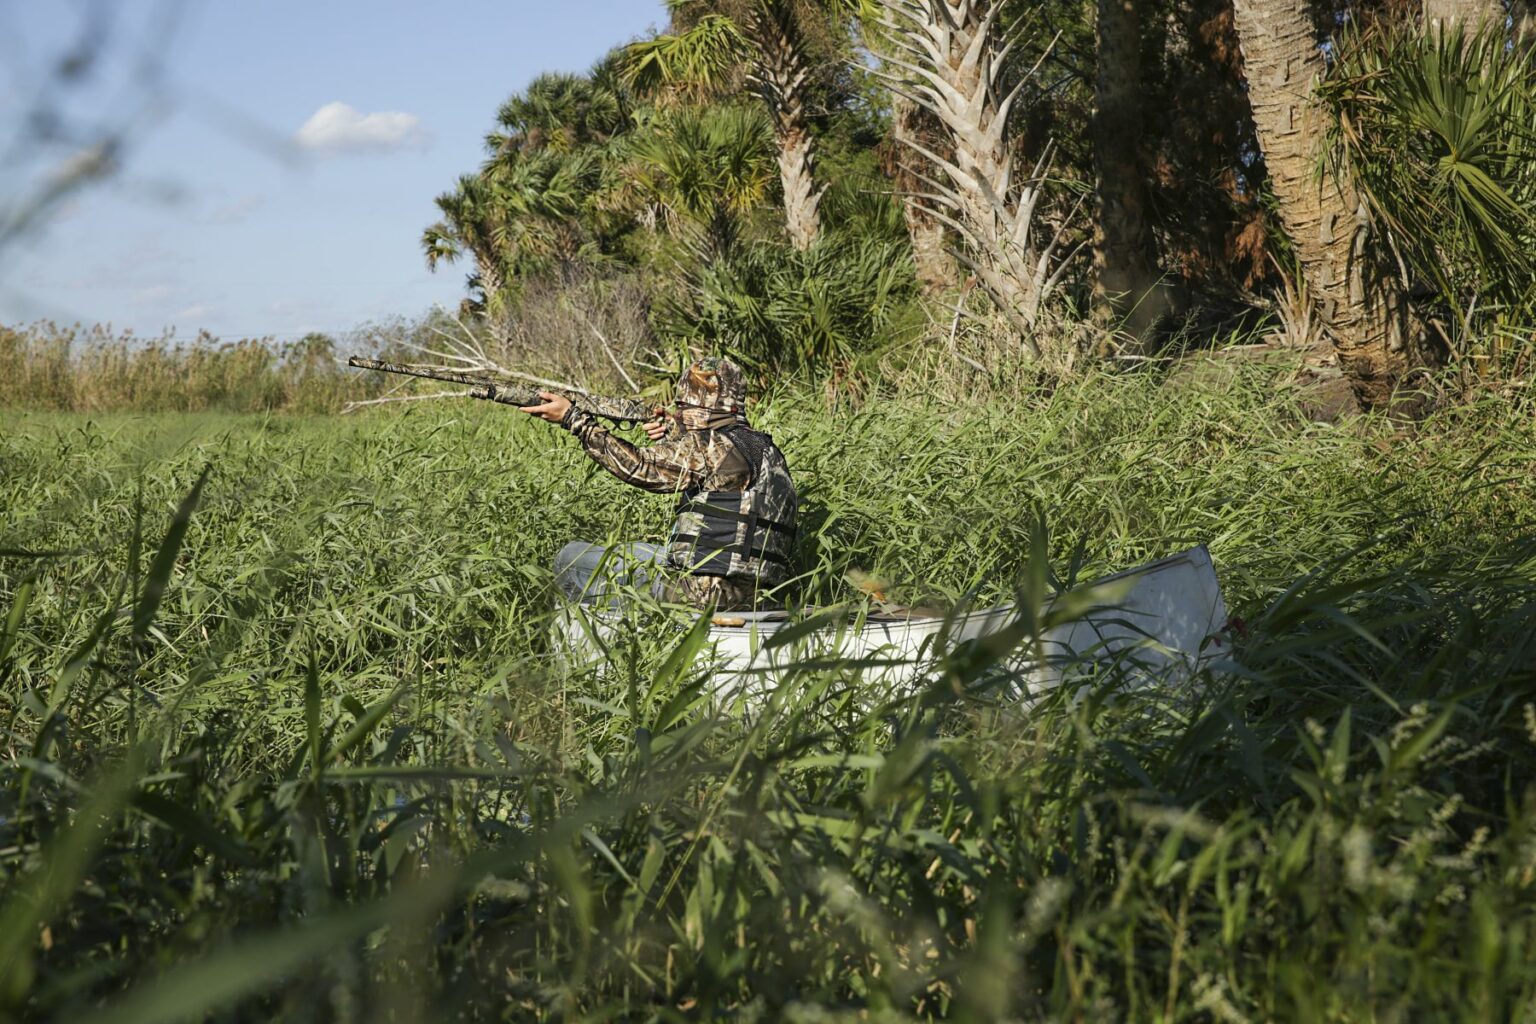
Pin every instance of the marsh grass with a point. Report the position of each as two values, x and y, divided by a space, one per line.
285 736
73 369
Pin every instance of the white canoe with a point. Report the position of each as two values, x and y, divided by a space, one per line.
1153 621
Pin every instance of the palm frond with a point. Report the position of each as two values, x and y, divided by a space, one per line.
699 60
1437 130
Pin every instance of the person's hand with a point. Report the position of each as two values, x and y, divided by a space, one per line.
554 408
656 429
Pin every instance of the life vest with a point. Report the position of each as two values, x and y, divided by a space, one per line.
741 534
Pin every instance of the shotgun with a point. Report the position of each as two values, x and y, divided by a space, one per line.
494 387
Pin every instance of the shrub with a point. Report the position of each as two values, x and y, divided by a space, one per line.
780 311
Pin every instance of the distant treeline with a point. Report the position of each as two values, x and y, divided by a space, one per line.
95 369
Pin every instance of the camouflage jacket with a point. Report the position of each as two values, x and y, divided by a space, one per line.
695 460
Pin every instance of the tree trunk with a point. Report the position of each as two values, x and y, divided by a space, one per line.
492 282
1364 312
779 75
911 124
1129 293
802 200
493 285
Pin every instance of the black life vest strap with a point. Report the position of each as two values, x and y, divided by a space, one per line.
750 551
702 505
752 445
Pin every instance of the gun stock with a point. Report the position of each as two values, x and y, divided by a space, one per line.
498 388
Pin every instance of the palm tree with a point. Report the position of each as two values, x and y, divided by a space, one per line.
543 199
560 113
700 171
546 164
913 127
532 207
469 226
1364 310
771 47
914 130
1437 130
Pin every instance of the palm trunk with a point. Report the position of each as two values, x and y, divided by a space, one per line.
911 124
493 286
780 77
1365 313
492 282
1129 294
802 200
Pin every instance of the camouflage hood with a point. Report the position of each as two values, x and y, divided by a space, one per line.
711 393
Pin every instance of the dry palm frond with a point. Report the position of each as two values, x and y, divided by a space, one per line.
951 60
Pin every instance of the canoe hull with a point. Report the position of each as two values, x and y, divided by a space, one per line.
1151 622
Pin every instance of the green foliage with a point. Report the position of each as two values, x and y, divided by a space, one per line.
658 166
779 310
702 172
653 165
858 199
1440 131
560 113
298 746
537 205
468 228
720 45
541 199
699 60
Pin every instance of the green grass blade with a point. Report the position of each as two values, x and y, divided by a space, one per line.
164 563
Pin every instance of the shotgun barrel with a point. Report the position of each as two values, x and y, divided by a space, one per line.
496 387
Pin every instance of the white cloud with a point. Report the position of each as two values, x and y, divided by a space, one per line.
340 128
193 313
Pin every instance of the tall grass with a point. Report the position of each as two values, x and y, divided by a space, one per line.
585 331
288 739
94 370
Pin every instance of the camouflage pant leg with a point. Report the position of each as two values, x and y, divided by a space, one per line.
723 593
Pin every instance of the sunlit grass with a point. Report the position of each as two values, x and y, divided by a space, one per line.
343 774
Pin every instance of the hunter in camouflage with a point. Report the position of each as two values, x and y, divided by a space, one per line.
734 534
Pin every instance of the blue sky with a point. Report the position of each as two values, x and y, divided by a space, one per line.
287 156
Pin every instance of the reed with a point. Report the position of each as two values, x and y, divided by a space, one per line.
285 736
76 369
